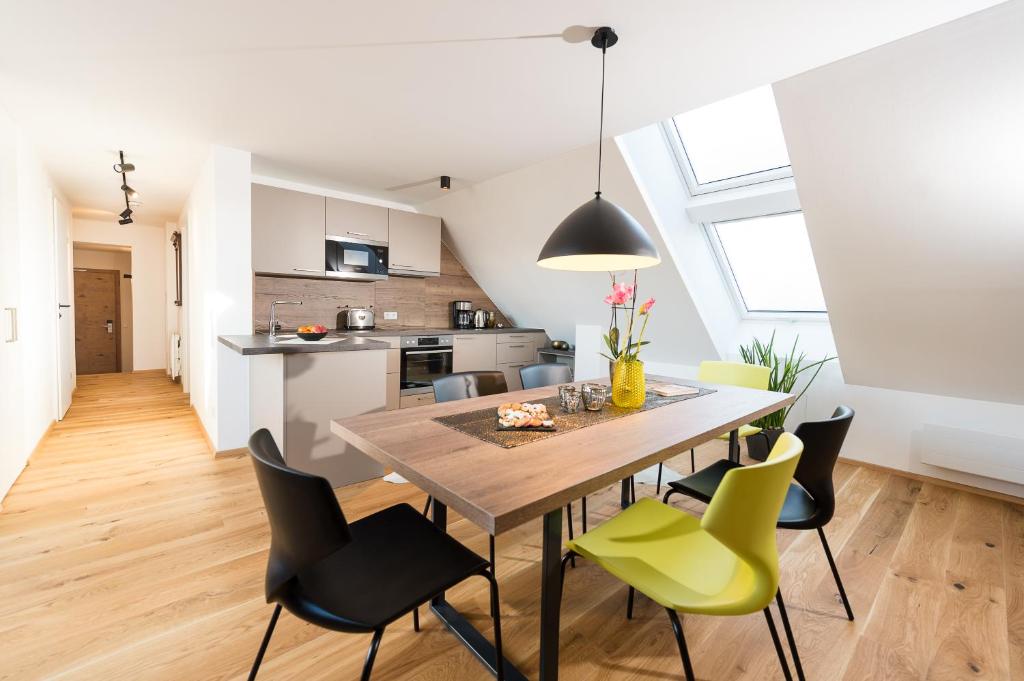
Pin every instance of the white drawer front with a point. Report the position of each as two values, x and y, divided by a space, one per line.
516 352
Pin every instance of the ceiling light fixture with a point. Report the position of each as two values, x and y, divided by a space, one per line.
446 183
599 236
129 194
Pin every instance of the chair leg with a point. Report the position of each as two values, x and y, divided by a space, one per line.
629 603
835 573
693 462
789 635
266 641
416 618
778 645
568 517
657 490
677 629
583 502
669 492
371 654
496 616
571 555
426 507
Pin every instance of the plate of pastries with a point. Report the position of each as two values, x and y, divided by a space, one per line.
524 416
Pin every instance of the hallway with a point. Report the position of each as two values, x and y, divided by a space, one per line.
128 552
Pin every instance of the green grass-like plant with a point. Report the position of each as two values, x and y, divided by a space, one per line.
785 370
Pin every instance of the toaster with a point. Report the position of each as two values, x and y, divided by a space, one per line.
356 318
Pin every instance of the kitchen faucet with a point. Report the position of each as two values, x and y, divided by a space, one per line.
273 315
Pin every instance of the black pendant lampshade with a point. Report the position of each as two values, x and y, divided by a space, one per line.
599 236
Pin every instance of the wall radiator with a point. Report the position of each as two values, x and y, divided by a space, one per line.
987 454
175 356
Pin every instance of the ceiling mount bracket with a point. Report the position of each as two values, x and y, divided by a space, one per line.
604 38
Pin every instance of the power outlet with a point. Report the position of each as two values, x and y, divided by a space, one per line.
390 316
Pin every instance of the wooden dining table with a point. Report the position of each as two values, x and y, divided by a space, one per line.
498 489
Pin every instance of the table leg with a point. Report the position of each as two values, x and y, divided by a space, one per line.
734 446
462 628
625 499
550 594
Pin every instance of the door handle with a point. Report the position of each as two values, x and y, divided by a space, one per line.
13 331
303 269
62 305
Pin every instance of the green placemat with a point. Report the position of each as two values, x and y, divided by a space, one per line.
483 423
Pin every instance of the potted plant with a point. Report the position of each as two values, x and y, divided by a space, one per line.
785 371
629 387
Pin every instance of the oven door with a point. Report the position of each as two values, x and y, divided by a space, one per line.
420 366
355 259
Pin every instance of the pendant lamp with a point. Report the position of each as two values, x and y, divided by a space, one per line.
599 236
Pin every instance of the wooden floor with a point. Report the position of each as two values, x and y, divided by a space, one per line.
128 552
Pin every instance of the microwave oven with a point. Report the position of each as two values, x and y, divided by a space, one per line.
358 259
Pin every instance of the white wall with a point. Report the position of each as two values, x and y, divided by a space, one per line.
149 292
28 283
908 163
216 224
497 228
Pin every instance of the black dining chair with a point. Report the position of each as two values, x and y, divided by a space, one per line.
466 384
352 577
462 386
544 374
810 504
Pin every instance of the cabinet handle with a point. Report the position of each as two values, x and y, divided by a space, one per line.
517 346
303 269
395 264
13 312
358 233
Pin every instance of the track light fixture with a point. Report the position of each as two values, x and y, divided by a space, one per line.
446 183
130 195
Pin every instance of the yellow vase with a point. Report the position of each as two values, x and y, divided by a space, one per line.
629 388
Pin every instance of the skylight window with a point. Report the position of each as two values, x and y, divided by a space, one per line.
732 143
769 262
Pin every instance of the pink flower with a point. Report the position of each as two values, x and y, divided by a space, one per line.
620 294
646 307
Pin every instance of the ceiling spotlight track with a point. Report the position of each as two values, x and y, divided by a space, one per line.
130 195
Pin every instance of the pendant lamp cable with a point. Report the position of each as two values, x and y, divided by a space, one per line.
600 134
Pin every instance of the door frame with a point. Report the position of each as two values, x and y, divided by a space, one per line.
117 312
65 260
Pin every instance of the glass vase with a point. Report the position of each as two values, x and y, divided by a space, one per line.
629 388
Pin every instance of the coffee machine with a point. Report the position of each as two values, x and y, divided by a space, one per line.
462 314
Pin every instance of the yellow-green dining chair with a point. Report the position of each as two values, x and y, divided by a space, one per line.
726 563
728 373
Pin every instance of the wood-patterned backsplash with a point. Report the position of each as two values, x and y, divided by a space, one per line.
420 303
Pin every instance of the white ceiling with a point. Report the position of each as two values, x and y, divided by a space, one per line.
362 96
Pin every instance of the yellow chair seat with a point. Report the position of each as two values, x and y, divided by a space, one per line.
665 554
745 431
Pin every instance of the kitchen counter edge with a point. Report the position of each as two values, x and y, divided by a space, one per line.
261 345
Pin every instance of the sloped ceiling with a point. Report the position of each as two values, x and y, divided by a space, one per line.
907 161
498 227
362 96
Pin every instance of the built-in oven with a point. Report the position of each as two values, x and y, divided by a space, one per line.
359 259
424 358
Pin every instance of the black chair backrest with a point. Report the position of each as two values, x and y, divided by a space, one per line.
306 522
467 384
822 442
545 373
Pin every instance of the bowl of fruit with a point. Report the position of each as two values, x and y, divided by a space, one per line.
313 332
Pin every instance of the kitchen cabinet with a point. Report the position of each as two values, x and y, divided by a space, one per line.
417 400
414 244
516 350
287 231
351 220
474 352
393 377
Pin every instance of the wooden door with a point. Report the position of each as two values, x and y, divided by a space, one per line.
97 321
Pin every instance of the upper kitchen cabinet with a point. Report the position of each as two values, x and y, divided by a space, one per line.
414 244
351 220
287 231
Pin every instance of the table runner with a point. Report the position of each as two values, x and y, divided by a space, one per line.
483 423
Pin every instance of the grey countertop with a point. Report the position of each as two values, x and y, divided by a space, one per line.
262 345
259 344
